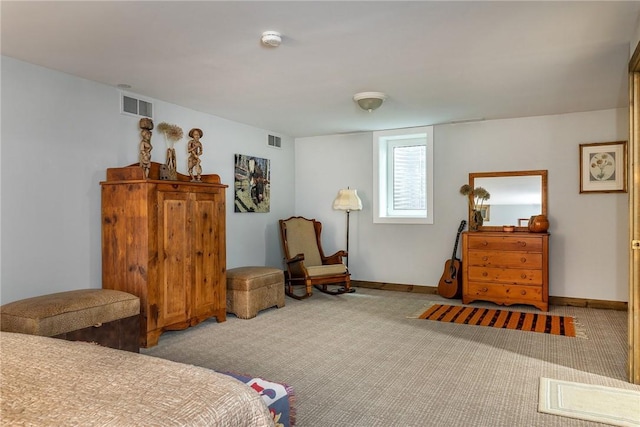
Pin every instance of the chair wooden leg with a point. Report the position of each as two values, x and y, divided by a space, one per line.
289 291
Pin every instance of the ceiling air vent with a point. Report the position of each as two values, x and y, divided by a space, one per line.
275 141
134 106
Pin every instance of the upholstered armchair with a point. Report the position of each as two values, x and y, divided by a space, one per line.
305 262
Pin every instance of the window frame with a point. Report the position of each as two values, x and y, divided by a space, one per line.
383 189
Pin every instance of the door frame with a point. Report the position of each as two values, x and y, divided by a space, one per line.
633 362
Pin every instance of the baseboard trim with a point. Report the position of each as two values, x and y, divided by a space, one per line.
433 290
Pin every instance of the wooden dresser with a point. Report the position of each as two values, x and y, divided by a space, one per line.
164 241
506 268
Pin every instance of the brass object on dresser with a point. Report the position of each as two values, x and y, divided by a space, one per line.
164 241
506 268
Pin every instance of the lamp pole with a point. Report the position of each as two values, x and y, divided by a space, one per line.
347 200
347 263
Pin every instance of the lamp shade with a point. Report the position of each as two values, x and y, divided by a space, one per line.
347 200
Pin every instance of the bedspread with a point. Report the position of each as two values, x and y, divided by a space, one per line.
46 381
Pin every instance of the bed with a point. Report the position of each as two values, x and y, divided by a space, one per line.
46 381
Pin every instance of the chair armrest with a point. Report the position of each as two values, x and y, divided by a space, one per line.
335 258
296 267
297 258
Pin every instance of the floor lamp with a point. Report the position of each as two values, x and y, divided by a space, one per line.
348 200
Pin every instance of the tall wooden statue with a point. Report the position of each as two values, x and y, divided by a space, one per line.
195 151
146 125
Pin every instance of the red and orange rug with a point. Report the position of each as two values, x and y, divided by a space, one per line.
505 319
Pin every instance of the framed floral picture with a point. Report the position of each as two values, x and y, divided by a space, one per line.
603 167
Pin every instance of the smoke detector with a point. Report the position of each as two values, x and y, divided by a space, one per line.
271 38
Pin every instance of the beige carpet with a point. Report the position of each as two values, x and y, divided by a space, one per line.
607 405
356 360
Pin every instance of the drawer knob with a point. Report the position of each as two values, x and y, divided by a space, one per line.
524 276
485 274
523 292
521 243
523 260
485 258
485 243
175 186
484 289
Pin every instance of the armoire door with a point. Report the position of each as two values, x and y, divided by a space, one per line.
175 246
207 242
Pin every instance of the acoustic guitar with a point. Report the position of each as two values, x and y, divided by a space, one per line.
450 285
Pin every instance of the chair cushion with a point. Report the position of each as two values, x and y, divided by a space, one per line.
301 239
326 270
54 314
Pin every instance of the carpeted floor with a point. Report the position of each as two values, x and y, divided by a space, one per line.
357 360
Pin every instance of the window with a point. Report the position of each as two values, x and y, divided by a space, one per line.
403 176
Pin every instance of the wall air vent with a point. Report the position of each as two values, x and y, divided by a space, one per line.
275 141
133 105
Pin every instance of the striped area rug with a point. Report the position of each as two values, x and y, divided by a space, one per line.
533 322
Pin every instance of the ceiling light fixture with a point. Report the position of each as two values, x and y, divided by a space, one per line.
271 38
369 100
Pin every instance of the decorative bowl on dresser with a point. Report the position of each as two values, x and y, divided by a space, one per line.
506 268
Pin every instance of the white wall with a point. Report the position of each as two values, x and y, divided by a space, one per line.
589 232
60 134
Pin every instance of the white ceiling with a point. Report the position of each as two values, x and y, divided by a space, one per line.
437 62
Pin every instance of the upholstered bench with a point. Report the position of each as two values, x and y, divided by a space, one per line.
104 316
251 289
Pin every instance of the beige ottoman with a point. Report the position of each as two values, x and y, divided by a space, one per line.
108 317
251 289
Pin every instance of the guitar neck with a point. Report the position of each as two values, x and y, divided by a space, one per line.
455 247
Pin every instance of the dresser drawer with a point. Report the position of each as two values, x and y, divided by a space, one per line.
507 243
505 259
503 293
505 275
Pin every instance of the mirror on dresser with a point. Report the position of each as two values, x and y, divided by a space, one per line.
515 197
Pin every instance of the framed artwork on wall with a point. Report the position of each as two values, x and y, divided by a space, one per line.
603 167
252 184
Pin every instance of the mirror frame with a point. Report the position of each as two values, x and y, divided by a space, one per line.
541 173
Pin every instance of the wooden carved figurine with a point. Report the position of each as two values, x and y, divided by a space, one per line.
195 151
146 125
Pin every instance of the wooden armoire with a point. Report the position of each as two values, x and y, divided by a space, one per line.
164 241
